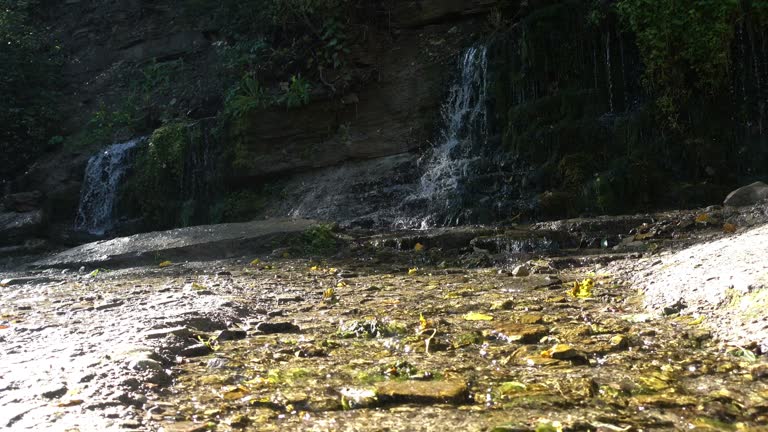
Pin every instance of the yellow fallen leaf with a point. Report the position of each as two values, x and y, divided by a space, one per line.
164 264
314 268
256 262
703 218
422 322
341 284
329 294
70 402
582 289
729 228
418 247
413 271
477 316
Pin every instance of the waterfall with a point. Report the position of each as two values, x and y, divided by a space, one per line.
98 195
450 161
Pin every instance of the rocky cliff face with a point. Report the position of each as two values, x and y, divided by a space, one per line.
127 49
565 102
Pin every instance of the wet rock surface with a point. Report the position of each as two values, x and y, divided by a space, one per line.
386 337
196 242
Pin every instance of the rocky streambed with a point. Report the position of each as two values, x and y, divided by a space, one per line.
585 324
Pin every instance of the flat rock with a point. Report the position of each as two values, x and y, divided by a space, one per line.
196 350
523 333
277 327
424 392
531 318
724 279
747 195
163 332
231 334
201 242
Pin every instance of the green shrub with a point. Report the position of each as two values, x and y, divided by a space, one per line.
685 47
155 186
297 93
319 240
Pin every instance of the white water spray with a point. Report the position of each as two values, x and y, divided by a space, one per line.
98 195
464 116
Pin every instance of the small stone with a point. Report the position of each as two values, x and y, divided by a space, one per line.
619 342
231 334
109 305
130 424
275 313
185 426
196 350
424 392
277 327
144 364
217 363
557 299
163 332
289 299
55 391
523 333
759 372
239 421
354 398
503 305
511 427
521 270
674 308
567 352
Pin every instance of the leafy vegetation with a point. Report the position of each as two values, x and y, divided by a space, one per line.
29 65
155 187
319 240
272 50
685 47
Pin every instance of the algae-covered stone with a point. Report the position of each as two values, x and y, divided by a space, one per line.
424 392
531 318
566 352
352 398
523 333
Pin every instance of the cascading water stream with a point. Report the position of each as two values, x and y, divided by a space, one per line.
98 195
465 130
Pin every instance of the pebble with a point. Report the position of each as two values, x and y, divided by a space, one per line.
54 391
231 334
523 333
109 305
521 271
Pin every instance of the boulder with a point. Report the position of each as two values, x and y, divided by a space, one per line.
747 195
23 201
16 227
